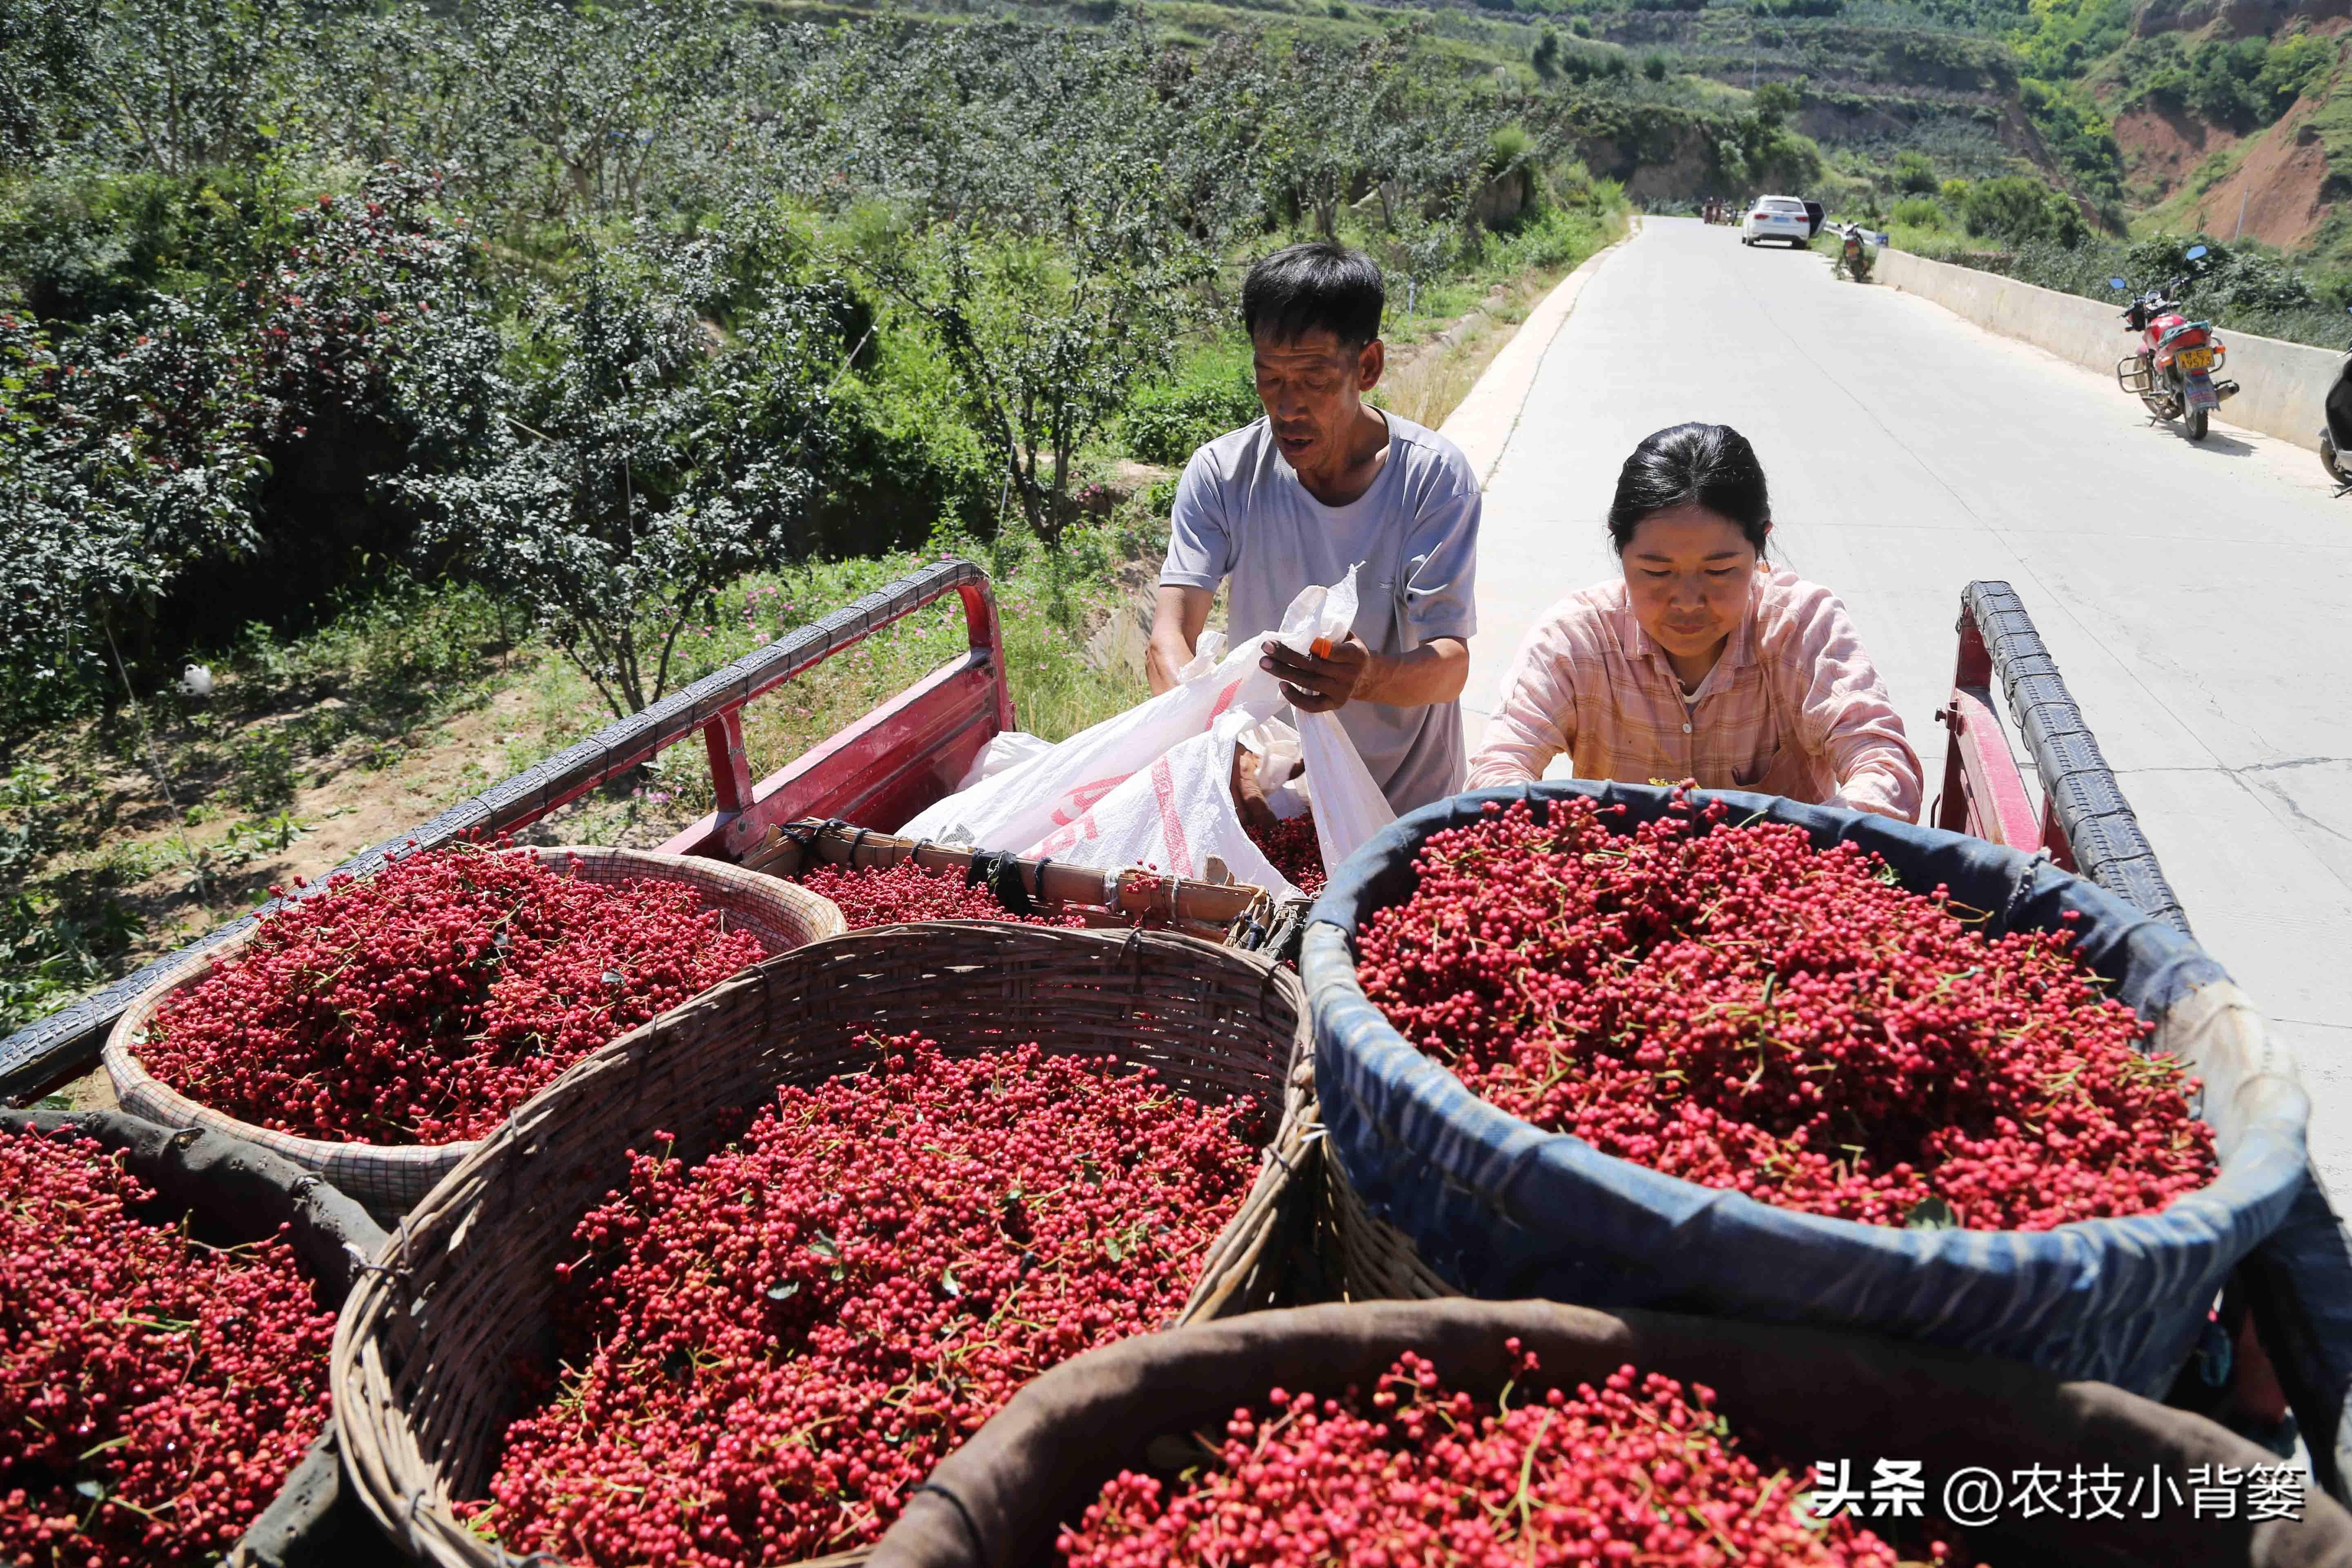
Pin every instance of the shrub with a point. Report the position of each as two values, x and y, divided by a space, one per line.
1654 67
1507 147
2016 207
1546 58
2236 278
1914 174
1165 423
1919 212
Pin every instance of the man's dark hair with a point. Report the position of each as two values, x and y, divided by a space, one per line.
1318 286
1712 464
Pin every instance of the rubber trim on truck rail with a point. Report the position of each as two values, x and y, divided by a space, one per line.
2080 786
2298 1282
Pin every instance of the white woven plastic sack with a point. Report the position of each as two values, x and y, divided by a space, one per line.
1349 806
1009 750
1011 810
1077 794
1175 815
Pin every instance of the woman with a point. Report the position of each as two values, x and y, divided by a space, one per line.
1702 661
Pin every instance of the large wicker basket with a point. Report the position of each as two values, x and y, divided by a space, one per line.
1364 1258
425 1355
232 1195
388 1179
1802 1395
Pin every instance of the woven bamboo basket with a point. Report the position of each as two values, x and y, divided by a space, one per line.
1364 1258
388 1179
231 1194
425 1355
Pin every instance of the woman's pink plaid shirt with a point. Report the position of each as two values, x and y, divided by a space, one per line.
1793 707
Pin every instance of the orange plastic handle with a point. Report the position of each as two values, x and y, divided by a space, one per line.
1320 647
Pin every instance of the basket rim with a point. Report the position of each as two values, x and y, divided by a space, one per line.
405 1493
119 1059
1357 1046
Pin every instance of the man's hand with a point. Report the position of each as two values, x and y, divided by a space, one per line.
1319 684
1178 616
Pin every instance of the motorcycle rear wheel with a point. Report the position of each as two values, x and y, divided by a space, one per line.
2196 422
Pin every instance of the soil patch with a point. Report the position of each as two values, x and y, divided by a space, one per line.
2162 149
2278 185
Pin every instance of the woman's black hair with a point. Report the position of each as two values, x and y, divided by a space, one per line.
1710 464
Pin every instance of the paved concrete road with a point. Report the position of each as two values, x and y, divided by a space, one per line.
2198 598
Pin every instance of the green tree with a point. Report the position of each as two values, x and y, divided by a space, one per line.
127 455
1915 175
1048 345
1546 56
1773 103
176 85
2294 68
644 468
46 48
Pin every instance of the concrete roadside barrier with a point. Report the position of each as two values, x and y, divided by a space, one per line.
2284 383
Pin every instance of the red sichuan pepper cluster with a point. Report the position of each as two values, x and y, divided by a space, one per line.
1632 1472
154 1392
424 1002
879 896
1296 852
765 1352
1729 1005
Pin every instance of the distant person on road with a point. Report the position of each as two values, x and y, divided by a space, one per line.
1323 482
1703 661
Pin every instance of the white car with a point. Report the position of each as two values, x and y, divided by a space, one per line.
1777 217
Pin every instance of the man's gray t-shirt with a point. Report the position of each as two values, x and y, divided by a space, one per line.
1241 513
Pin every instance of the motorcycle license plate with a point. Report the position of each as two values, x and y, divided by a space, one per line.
2201 395
2195 359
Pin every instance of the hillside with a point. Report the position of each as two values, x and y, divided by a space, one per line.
2231 118
1661 98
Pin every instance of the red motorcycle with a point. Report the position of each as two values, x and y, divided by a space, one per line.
2173 372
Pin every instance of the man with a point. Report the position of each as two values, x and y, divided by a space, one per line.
1323 482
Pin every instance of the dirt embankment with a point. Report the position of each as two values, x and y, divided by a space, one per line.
2237 18
2162 148
2278 192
